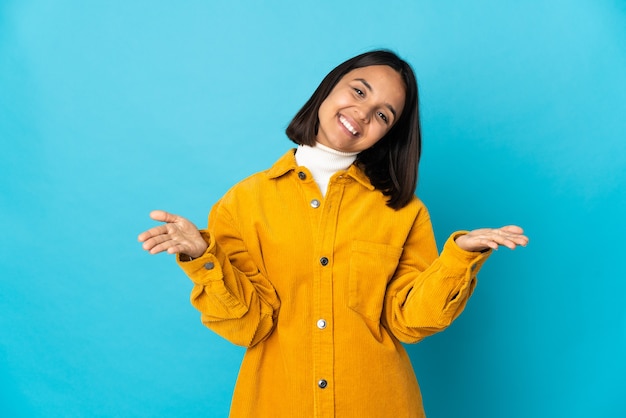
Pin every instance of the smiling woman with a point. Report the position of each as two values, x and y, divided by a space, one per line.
391 161
356 115
325 263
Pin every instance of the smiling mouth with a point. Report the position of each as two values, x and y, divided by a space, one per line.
347 125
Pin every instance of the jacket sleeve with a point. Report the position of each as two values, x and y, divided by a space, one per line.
428 292
234 299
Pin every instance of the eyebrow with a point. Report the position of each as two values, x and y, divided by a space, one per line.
367 85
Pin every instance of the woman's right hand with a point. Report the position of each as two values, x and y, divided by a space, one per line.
177 236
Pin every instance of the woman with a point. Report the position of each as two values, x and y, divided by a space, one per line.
325 263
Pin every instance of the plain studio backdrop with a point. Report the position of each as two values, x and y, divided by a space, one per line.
109 109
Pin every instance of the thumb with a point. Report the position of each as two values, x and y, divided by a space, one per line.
163 216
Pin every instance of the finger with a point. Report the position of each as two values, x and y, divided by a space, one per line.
512 229
152 242
152 232
171 247
518 239
157 245
481 243
490 244
509 236
511 241
514 234
163 216
509 244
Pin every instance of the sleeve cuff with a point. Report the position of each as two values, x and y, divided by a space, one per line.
456 258
205 268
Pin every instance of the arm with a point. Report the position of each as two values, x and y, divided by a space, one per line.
428 292
233 297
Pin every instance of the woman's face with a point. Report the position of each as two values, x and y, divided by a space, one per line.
361 108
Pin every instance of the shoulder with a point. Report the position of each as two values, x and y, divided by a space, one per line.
415 209
255 185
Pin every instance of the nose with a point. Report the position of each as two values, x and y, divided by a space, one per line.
363 113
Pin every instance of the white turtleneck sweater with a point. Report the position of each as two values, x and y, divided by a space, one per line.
323 162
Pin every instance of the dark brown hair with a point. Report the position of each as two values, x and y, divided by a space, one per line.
391 164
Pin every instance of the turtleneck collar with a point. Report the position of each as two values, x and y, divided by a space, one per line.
323 162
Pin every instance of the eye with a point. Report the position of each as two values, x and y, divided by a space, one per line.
383 117
358 91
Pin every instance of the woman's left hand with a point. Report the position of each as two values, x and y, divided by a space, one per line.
485 238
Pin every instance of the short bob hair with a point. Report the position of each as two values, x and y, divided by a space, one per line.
392 163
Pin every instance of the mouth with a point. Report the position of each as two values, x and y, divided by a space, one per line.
348 126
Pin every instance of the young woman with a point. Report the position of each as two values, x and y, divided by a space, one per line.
325 263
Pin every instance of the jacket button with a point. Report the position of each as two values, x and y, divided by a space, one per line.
323 261
321 323
322 384
315 203
209 265
301 175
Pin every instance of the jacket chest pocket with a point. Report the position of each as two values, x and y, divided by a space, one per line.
371 268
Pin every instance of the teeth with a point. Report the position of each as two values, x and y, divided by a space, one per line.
349 127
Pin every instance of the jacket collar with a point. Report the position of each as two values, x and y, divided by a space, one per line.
288 163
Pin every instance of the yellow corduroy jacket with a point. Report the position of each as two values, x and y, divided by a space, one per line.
323 291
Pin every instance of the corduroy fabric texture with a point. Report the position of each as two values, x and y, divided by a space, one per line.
323 291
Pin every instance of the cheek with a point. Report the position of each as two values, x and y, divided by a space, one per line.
380 131
336 100
324 108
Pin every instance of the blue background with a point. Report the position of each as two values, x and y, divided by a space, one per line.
109 109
